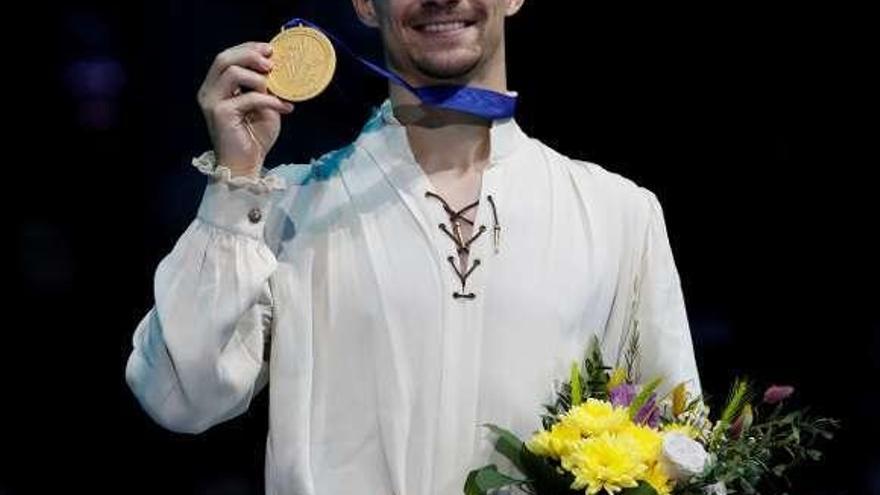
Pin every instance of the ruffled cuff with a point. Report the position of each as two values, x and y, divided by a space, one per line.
235 204
206 163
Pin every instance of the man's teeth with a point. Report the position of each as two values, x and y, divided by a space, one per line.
440 27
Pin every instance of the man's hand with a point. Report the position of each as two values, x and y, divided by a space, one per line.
243 118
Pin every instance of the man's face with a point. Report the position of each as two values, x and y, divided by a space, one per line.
446 40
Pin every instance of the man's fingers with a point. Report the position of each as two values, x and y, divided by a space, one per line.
252 55
234 79
249 102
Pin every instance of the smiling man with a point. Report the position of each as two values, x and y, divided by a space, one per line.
438 273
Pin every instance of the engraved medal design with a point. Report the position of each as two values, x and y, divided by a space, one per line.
304 63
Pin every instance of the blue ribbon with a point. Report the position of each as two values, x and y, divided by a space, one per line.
475 101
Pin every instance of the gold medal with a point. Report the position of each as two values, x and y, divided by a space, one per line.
304 63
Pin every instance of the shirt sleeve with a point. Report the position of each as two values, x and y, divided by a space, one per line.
198 354
666 346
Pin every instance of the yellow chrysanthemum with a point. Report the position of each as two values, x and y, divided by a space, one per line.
647 441
595 417
688 430
539 444
557 442
658 480
604 462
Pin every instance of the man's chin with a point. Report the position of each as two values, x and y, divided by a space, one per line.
447 72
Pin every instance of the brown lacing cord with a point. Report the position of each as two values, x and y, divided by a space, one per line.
453 215
463 246
463 277
496 227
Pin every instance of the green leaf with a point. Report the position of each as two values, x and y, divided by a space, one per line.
576 389
644 488
480 481
596 372
545 475
633 351
508 445
740 394
642 398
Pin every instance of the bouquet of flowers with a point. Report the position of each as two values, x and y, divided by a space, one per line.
608 433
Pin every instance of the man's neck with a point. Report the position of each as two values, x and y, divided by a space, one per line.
443 141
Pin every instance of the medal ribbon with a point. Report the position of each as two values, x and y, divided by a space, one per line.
475 101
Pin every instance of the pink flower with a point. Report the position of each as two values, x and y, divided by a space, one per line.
743 422
777 393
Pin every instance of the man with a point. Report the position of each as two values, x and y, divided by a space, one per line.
437 274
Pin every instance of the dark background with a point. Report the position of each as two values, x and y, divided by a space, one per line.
744 120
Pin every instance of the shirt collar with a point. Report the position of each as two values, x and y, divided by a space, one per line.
505 136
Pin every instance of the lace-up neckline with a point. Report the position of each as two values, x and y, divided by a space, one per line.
462 246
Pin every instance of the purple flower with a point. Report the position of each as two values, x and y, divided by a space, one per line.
777 393
743 422
649 413
622 395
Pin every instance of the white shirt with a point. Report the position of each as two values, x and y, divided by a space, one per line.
380 378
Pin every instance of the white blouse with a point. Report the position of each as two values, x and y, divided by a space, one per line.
379 378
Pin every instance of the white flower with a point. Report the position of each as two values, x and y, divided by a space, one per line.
682 457
717 489
698 417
